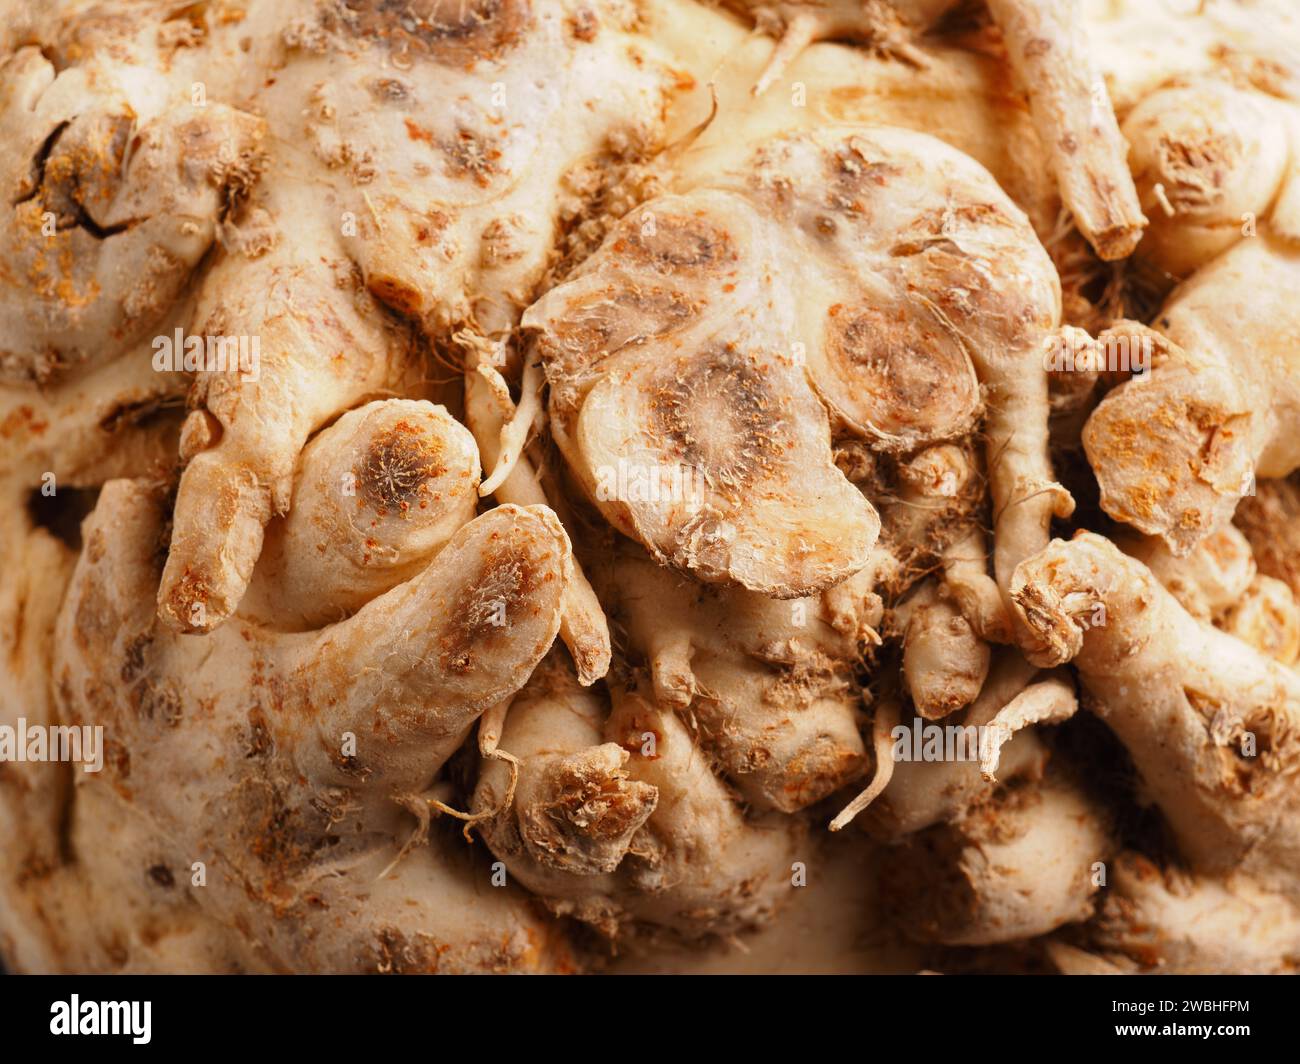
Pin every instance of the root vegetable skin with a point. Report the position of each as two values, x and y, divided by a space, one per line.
1210 161
882 26
244 444
1270 520
584 627
1215 162
677 433
378 495
1045 41
766 685
1175 451
944 661
1210 722
921 794
619 821
1019 866
375 899
936 510
1167 921
1209 581
782 381
1050 701
1267 618
112 202
371 197
687 271
1075 121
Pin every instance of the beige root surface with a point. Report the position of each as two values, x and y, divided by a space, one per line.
819 279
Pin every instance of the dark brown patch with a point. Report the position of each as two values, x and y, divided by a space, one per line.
398 466
694 397
160 703
396 293
390 90
117 758
258 742
470 155
133 657
485 610
907 373
672 245
395 954
140 412
61 514
853 178
453 32
351 765
584 25
268 816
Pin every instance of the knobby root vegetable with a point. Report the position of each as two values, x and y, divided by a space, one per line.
1218 582
944 661
921 793
710 449
1213 163
1047 46
1171 922
883 26
488 409
371 196
1211 723
378 495
112 199
1268 618
620 822
1012 859
111 422
1270 520
781 384
342 732
1175 449
1020 865
665 351
766 686
1207 582
936 516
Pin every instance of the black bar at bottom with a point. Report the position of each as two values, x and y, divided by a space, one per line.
609 1015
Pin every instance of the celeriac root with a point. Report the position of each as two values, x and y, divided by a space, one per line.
1211 723
584 627
348 727
1208 421
1047 46
619 821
